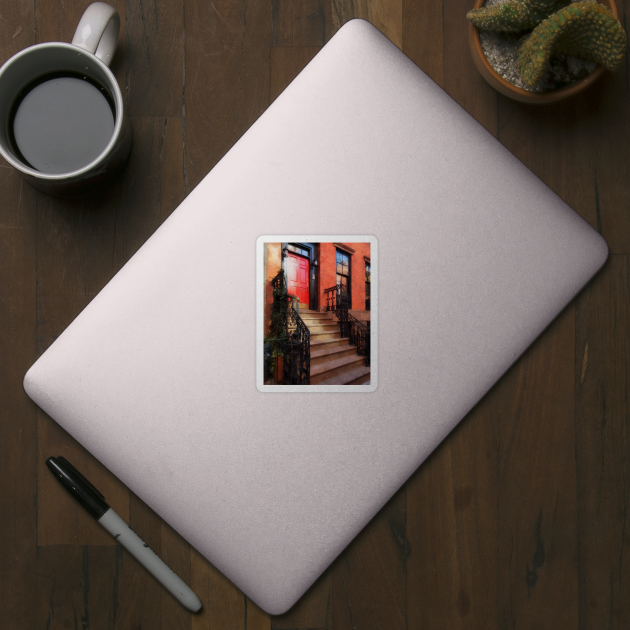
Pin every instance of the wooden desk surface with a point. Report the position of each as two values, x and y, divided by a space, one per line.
518 520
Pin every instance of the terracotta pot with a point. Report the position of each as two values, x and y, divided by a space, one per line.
518 94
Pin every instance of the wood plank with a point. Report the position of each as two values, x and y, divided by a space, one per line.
17 28
18 420
386 15
18 415
423 36
300 22
608 127
226 78
462 80
76 587
285 64
152 184
224 606
537 537
255 618
369 577
603 469
452 526
154 57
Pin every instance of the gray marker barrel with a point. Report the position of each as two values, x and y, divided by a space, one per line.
149 559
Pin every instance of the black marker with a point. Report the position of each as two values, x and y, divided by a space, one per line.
94 502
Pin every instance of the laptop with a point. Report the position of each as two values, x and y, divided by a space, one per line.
176 378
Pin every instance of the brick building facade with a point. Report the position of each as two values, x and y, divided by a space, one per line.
310 268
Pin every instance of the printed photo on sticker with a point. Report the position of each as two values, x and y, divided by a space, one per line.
317 314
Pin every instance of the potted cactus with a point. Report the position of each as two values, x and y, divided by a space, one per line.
558 49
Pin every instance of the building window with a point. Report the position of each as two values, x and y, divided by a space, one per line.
368 280
343 271
299 250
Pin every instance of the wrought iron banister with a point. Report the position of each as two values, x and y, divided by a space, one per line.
291 336
357 333
297 352
336 297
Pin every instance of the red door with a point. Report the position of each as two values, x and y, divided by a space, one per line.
298 278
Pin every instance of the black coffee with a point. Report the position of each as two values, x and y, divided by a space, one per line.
61 123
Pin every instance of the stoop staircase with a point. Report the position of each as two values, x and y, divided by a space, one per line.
333 360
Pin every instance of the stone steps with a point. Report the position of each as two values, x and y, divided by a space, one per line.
323 328
357 375
328 343
316 321
326 354
333 360
319 336
335 368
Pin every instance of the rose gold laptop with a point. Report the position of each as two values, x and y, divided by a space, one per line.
177 379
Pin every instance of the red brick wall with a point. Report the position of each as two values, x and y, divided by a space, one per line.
327 277
328 271
274 263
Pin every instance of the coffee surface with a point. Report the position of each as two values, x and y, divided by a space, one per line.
62 124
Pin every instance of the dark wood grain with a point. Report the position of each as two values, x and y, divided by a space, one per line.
369 577
609 134
461 79
452 515
602 380
18 416
537 537
76 587
226 78
151 187
300 23
518 520
422 36
154 60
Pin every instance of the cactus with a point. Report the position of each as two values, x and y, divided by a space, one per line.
584 29
513 16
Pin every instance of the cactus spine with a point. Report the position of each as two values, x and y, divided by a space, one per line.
583 29
513 16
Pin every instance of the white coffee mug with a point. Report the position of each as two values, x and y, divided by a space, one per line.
103 143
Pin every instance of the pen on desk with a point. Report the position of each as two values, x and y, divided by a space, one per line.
94 502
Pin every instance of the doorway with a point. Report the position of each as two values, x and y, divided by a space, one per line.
298 269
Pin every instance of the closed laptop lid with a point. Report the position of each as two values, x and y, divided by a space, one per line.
472 257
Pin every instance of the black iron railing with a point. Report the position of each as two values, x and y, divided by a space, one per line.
297 351
358 334
291 337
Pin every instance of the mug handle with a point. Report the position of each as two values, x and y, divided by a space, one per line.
98 30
